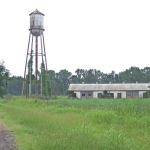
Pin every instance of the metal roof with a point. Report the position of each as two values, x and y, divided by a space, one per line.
36 12
110 87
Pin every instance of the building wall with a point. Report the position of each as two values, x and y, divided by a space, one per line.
117 93
86 94
132 94
78 95
95 93
123 94
141 94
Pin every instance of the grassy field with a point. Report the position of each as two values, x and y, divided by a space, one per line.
96 124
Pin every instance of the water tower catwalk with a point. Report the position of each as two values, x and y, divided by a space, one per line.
36 55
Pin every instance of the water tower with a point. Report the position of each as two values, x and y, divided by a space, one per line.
36 50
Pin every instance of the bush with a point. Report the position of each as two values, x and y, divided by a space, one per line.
146 94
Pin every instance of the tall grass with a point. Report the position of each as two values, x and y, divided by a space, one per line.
78 124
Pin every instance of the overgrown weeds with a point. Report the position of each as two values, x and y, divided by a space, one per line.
78 124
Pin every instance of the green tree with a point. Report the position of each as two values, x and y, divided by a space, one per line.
131 75
4 77
54 83
29 75
60 81
45 81
15 85
146 74
91 76
80 73
64 79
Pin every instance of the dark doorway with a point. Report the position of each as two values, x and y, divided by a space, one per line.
100 95
110 95
118 95
74 95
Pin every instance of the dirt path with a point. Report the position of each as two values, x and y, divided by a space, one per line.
6 139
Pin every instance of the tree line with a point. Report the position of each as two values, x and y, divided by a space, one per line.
60 81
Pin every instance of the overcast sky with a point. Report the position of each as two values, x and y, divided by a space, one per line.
89 34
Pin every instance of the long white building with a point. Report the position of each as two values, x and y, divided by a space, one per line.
86 91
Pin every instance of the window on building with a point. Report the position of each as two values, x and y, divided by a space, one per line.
89 94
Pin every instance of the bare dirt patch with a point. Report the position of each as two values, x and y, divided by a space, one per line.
6 139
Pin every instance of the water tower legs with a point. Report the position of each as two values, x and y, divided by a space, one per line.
36 65
42 54
26 64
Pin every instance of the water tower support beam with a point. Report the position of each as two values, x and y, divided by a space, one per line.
36 65
44 51
42 48
26 63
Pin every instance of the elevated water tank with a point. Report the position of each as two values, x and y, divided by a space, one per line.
36 23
